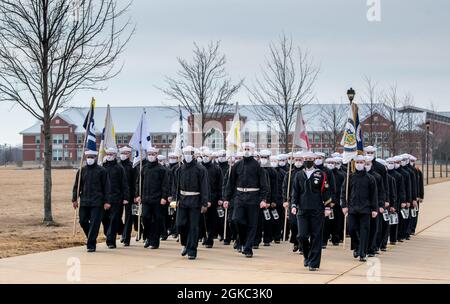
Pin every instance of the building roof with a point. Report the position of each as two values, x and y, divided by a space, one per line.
165 119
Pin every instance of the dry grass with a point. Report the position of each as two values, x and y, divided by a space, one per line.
21 212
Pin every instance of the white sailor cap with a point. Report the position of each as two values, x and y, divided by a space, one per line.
273 158
330 160
370 149
248 145
189 149
309 154
381 161
239 154
320 154
125 149
172 154
111 150
151 149
413 158
405 156
359 158
265 153
390 160
282 156
398 158
298 154
256 153
90 152
161 157
206 152
338 159
214 154
336 154
221 153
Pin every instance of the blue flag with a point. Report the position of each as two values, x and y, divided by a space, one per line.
89 125
352 139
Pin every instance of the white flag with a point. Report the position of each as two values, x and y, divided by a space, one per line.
108 136
140 139
234 134
300 135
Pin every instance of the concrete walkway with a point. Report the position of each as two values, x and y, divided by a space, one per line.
423 259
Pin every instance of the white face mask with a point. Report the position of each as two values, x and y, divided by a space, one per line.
338 165
274 164
264 161
282 163
368 168
396 166
199 159
222 159
403 163
318 162
412 163
151 158
110 157
370 157
247 153
172 160
290 162
205 159
90 161
188 157
123 157
331 166
360 167
298 164
390 166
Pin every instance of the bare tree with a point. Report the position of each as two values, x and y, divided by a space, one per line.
391 104
50 49
202 86
410 130
286 83
332 119
370 104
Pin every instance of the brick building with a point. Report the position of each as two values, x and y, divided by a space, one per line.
68 132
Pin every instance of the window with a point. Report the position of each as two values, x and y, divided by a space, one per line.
164 139
37 155
316 138
57 154
215 140
66 138
170 138
119 139
79 153
37 139
80 139
66 154
57 121
57 139
246 136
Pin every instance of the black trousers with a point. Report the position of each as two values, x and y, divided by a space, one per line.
187 225
310 226
232 233
359 226
90 219
128 225
264 230
111 222
277 224
246 218
211 219
293 229
383 234
151 218
331 227
402 226
163 222
373 231
393 230
414 220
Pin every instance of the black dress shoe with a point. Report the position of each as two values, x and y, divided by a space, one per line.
226 243
400 240
192 257
306 263
255 246
362 259
91 250
335 244
164 238
300 252
235 245
121 239
183 251
239 249
111 246
126 244
408 238
220 238
313 268
383 249
295 248
324 247
154 247
147 243
208 246
266 244
355 254
393 243
248 255
371 255
277 241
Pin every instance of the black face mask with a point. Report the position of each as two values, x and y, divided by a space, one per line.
308 164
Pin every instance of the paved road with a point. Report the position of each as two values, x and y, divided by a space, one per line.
423 259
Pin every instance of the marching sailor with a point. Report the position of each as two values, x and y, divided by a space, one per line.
278 224
125 154
310 195
155 191
118 196
192 190
247 186
93 197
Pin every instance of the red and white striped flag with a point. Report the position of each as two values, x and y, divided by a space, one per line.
300 135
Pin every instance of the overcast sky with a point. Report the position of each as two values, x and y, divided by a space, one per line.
410 46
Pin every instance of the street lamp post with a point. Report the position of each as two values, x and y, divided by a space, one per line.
427 124
351 94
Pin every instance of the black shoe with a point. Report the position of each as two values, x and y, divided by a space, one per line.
362 259
408 238
220 238
400 240
393 243
255 246
306 263
313 268
122 239
111 246
154 247
91 250
371 255
209 246
377 251
300 252
183 251
174 236
248 255
226 243
147 243
239 249
355 254
126 244
235 245
192 257
277 241
413 233
324 247
164 238
335 244
295 248
383 249
266 244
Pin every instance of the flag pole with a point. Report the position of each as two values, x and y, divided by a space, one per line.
226 209
138 236
288 190
346 201
79 171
